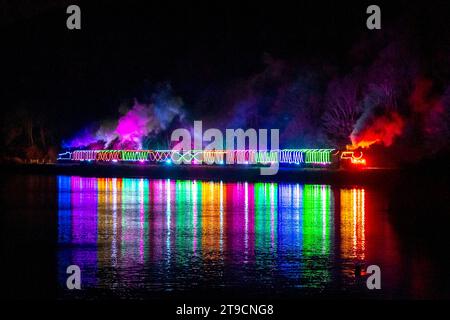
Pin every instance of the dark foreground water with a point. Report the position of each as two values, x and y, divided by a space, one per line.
143 238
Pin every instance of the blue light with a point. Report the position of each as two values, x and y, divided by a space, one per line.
168 161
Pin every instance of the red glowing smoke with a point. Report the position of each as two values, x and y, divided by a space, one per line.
426 113
428 106
382 129
421 99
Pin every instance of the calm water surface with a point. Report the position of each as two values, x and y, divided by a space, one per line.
178 235
136 237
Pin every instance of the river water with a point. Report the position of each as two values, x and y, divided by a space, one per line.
139 238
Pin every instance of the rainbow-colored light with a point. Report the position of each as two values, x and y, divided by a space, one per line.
262 157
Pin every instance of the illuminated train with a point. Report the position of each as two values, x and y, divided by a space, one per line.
303 157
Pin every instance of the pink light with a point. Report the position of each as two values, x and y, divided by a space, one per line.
134 124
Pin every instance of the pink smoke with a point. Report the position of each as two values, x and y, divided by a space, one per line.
136 123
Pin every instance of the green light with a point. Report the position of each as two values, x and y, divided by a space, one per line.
316 229
184 227
266 219
133 155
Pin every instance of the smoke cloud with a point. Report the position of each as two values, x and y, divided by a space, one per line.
136 123
384 100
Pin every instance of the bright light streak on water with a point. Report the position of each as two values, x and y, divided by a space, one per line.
172 235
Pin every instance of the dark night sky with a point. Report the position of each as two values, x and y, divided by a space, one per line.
77 76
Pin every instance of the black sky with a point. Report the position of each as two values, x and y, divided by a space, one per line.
77 76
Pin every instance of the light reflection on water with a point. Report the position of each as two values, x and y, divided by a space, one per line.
170 235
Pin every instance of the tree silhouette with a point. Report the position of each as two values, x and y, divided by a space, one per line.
342 110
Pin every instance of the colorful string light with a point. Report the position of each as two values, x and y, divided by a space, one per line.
265 157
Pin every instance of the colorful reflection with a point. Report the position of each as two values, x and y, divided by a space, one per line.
317 225
353 223
78 226
174 235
